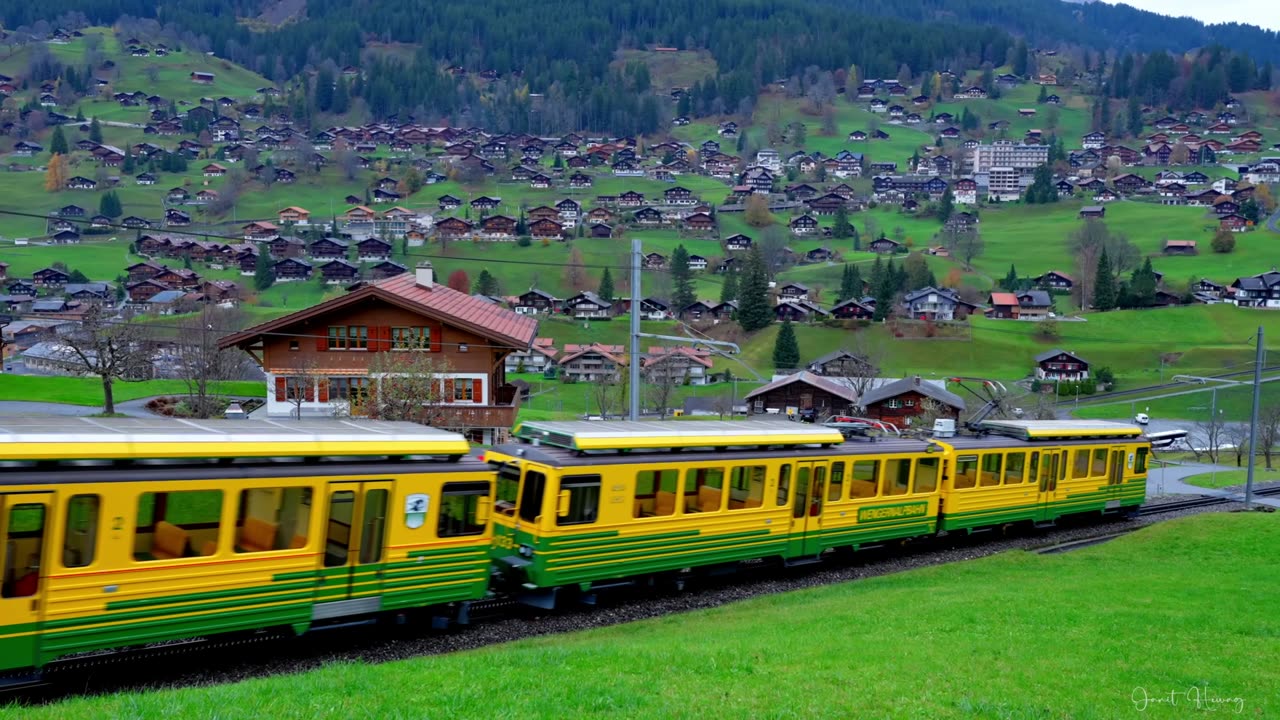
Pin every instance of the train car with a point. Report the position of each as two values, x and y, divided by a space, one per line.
586 506
582 505
1040 470
127 532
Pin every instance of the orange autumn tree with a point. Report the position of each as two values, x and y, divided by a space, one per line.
55 176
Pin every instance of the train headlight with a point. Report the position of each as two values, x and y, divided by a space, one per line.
526 551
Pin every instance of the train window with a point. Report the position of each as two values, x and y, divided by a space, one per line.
656 493
23 550
81 538
897 476
177 524
1081 467
1015 468
1099 462
1140 466
835 490
866 473
966 472
927 475
273 519
373 526
704 490
584 499
342 509
459 502
990 474
746 487
1049 470
1034 471
531 498
508 489
784 485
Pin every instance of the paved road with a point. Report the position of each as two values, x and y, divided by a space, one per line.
1168 481
1273 222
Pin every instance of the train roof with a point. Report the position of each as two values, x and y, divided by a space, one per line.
601 435
1059 429
82 438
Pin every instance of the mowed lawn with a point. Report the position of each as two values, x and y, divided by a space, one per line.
1104 632
88 390
1234 403
1036 239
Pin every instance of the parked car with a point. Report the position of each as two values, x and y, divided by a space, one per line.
1141 418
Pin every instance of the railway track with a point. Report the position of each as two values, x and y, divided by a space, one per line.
231 659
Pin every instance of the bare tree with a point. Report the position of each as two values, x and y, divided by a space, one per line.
1268 431
202 363
606 395
723 404
661 379
1237 437
109 348
1210 432
413 384
304 386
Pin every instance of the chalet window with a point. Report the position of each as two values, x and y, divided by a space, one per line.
348 337
354 389
463 391
411 338
893 404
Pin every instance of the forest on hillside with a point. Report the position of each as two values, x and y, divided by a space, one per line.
549 66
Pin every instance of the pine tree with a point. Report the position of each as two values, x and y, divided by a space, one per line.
786 351
842 228
486 284
58 142
877 275
947 205
129 164
263 276
1104 285
1011 282
847 289
1142 286
109 205
682 294
729 288
884 294
95 131
754 311
606 286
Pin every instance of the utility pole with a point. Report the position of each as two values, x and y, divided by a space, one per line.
1253 421
634 391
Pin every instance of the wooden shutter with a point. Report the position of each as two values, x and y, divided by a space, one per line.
322 342
436 340
282 389
477 391
384 337
324 390
448 390
308 389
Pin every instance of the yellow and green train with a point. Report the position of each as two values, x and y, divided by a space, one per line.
120 533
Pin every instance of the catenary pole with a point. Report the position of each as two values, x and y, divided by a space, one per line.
1253 421
634 390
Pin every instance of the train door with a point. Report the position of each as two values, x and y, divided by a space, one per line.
1053 464
24 526
806 511
355 539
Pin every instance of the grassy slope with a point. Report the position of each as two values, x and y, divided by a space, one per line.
1004 636
1234 403
88 391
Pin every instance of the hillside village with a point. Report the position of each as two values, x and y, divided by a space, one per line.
225 200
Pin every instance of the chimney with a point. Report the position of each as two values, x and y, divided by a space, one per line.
425 275
917 381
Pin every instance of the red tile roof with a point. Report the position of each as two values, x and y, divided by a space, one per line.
485 319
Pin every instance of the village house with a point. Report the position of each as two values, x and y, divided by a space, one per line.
537 301
588 306
898 403
1060 365
540 356
1054 280
803 392
677 365
592 363
1258 291
318 360
930 303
